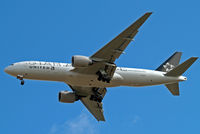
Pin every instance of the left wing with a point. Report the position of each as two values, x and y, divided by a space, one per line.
92 99
94 107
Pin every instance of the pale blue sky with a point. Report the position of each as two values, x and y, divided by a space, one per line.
49 30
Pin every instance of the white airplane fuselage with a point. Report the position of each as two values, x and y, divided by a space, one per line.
63 72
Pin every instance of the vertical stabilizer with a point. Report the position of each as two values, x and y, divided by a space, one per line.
170 63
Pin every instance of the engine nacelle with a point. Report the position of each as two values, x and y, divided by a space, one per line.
67 97
81 61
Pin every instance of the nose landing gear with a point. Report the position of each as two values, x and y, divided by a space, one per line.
20 77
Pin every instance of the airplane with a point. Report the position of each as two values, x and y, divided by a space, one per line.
88 77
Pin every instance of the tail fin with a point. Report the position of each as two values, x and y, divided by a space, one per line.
173 88
180 69
170 63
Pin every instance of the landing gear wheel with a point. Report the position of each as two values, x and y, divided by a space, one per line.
108 81
99 78
96 98
22 82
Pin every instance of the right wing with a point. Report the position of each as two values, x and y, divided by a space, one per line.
111 51
88 98
105 57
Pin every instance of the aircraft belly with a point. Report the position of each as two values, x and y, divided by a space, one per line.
47 75
78 79
145 78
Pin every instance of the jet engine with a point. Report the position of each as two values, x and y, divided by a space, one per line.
67 97
81 61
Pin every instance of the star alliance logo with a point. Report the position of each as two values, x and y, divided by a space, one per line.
168 67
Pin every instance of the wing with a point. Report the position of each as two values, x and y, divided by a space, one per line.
104 58
111 51
94 107
91 98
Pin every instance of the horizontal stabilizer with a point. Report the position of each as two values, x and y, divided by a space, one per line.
173 88
180 69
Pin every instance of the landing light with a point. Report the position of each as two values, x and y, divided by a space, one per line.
182 78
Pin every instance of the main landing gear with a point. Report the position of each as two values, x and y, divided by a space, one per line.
20 77
97 96
103 76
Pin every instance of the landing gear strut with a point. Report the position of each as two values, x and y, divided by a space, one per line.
20 77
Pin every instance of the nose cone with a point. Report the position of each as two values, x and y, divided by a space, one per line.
8 70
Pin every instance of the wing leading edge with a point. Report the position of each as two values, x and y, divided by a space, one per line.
111 51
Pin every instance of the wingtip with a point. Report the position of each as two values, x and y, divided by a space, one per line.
178 52
195 58
103 120
149 13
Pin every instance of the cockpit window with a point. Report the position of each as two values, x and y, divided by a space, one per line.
11 64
